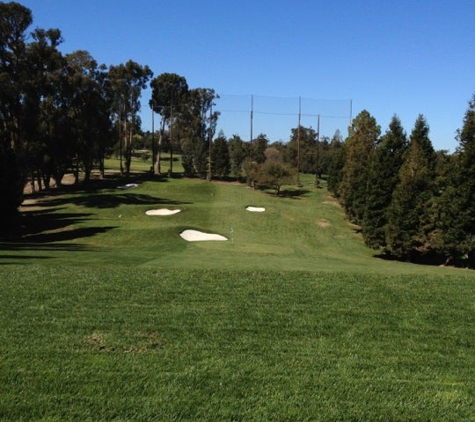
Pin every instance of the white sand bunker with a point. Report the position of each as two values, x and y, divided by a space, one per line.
256 209
197 236
162 211
128 186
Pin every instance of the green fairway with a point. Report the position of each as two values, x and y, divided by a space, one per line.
305 229
108 314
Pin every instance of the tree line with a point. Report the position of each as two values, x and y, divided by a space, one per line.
412 203
64 113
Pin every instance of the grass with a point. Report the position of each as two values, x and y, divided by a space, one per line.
117 318
130 344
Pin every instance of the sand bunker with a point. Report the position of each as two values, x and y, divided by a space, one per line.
197 236
162 211
256 209
128 186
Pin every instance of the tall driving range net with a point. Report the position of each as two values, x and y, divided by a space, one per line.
249 116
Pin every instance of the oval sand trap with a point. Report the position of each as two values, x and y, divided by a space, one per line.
197 236
162 211
128 186
256 209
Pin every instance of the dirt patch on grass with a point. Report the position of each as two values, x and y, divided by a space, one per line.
323 223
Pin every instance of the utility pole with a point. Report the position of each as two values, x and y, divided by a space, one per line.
351 112
317 183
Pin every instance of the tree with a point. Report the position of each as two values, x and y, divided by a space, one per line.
169 97
197 125
410 224
238 151
258 147
126 83
274 172
303 143
89 112
323 156
11 187
383 177
220 164
455 218
14 21
363 138
336 163
250 169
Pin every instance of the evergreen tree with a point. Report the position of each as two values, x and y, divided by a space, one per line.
238 151
258 148
336 163
456 205
363 137
383 178
410 223
303 143
220 164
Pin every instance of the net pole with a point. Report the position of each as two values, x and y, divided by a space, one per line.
298 142
251 124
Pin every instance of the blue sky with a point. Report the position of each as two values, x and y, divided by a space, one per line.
407 58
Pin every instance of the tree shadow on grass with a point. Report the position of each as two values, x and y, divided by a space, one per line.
288 193
46 231
107 193
112 200
43 226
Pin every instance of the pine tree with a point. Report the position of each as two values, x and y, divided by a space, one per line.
336 162
364 136
456 204
220 164
383 178
409 227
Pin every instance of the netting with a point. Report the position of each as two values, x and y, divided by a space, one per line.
248 116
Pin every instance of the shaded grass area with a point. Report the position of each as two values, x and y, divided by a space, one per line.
98 344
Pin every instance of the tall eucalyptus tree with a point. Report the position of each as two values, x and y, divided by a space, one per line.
169 94
126 82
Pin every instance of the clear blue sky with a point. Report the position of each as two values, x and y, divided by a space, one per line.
405 57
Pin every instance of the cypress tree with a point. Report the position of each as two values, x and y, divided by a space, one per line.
336 158
409 225
456 204
220 163
363 137
383 178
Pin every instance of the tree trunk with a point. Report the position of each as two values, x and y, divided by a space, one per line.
157 169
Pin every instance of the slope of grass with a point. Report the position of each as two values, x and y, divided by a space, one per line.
107 314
